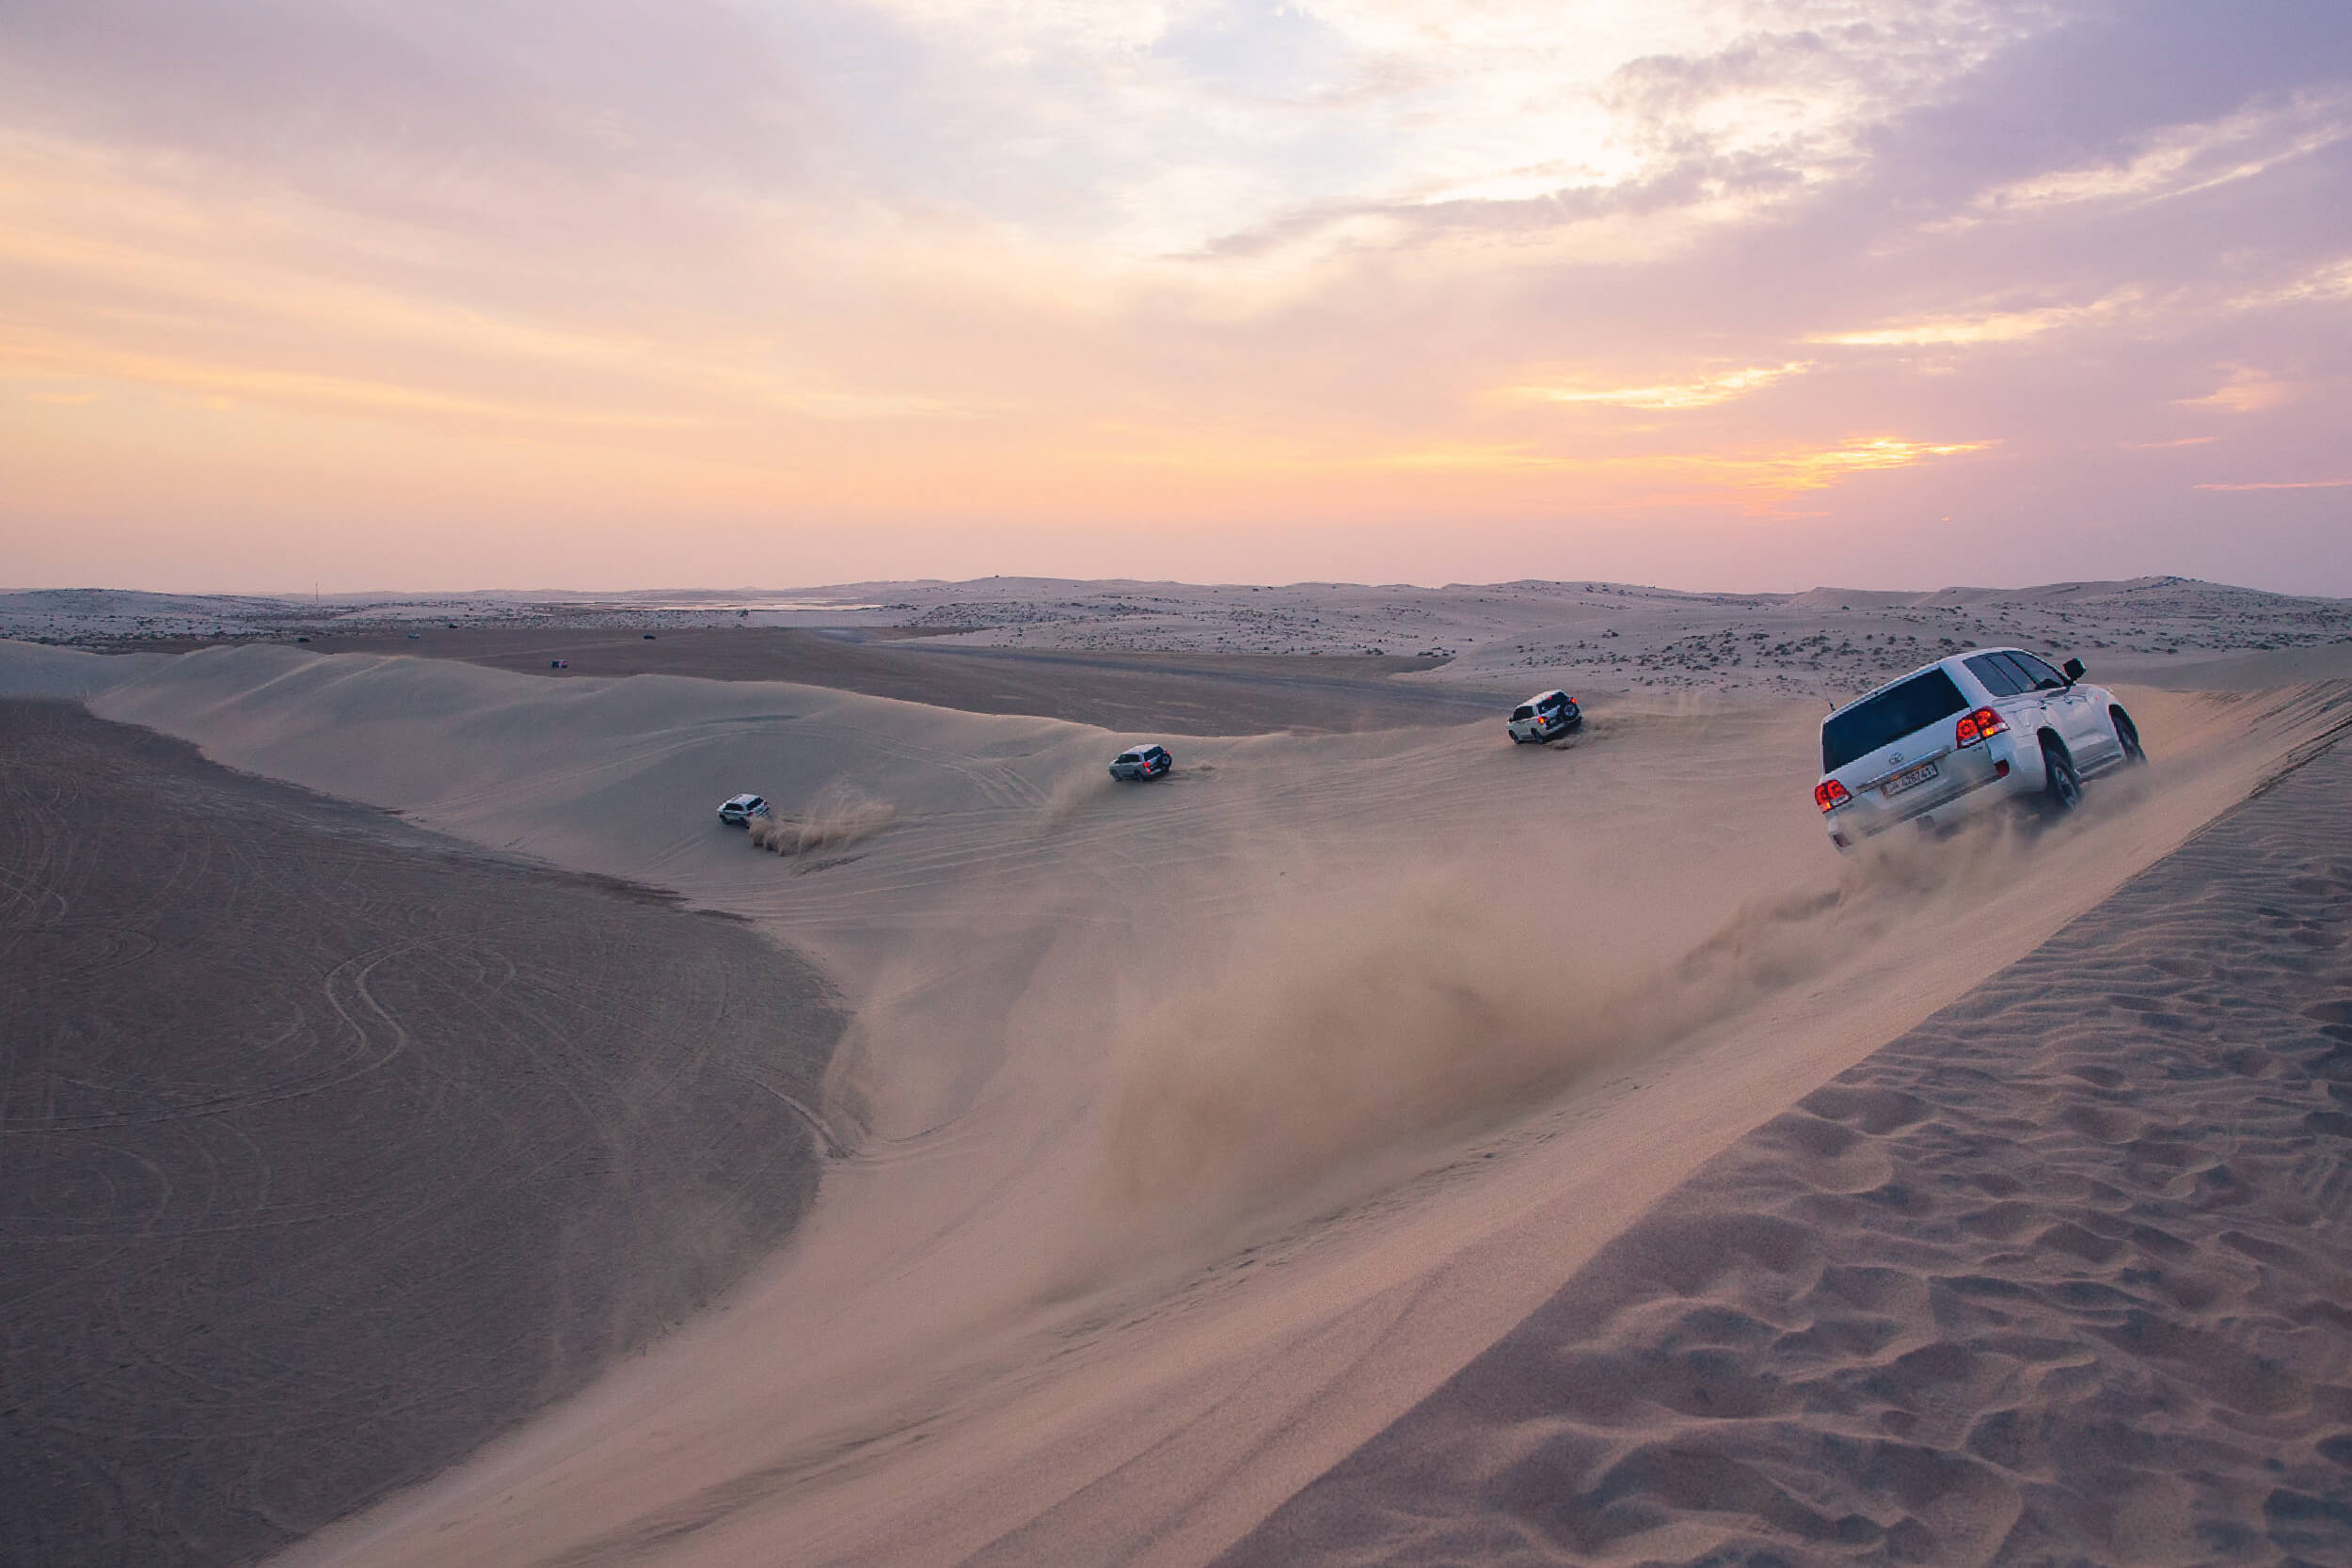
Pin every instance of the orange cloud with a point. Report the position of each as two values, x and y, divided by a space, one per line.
1705 392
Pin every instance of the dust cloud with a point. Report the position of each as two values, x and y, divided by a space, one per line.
837 818
1073 792
1342 1028
1343 1033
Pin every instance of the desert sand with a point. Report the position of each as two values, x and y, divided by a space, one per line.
2058 1276
334 1147
1212 1127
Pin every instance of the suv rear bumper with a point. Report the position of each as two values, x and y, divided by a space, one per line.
1969 780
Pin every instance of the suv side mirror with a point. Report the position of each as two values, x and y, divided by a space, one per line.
2072 670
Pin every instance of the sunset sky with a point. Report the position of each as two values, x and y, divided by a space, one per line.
423 294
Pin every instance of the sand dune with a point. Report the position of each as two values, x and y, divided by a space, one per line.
1140 1244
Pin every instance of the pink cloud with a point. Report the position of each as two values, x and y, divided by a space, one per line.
2284 484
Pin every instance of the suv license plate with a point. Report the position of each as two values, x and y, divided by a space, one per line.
1910 780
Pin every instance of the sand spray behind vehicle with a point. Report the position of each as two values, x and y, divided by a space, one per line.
1344 1026
1073 792
1349 1031
837 817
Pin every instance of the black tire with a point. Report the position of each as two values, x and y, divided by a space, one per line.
2135 754
2062 788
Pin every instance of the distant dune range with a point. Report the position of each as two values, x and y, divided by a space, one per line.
1211 1127
332 1147
1146 692
1223 658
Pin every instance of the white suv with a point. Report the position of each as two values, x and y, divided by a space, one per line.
736 811
1989 724
1544 716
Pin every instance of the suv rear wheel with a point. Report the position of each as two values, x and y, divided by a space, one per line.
2062 788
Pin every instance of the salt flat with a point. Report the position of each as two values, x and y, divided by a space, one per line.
1211 1126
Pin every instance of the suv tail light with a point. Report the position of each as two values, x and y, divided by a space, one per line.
1980 725
1829 795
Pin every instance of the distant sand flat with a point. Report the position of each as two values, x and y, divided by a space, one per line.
332 1147
2064 1274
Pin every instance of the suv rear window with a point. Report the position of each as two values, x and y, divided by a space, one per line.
1888 716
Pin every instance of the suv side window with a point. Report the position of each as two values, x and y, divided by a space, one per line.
1999 676
2041 675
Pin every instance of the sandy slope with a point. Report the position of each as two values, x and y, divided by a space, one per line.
334 1147
2057 1277
1214 1123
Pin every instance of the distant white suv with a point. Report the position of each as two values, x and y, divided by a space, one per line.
736 811
1986 725
1547 716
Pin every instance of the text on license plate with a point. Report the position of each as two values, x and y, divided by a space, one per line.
1909 779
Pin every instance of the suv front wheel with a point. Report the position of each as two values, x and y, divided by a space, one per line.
2062 787
2127 735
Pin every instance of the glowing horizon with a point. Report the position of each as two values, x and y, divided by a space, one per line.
1374 289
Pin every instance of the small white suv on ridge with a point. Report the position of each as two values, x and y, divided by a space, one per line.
736 811
1547 716
1980 726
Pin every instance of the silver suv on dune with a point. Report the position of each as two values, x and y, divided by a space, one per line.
1138 762
1950 738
